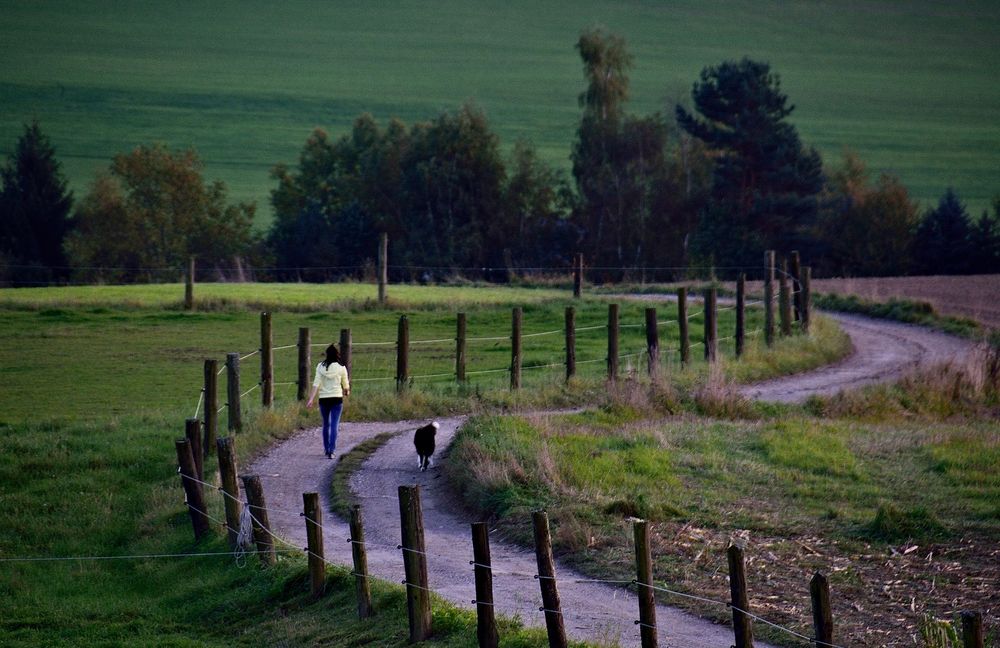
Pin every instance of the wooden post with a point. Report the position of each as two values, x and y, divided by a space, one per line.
612 342
383 267
547 580
515 348
738 589
784 302
486 624
305 355
193 496
644 579
795 269
266 361
345 349
711 338
314 537
233 392
362 588
819 592
257 506
460 326
230 488
652 344
972 629
768 299
402 353
741 307
570 342
682 322
189 285
211 420
192 430
806 299
577 274
418 596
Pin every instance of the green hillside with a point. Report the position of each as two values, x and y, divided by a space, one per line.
911 86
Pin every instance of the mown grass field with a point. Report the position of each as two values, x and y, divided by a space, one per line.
910 86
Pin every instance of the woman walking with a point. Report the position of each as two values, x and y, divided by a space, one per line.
332 385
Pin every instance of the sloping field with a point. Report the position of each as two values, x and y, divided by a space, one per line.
911 86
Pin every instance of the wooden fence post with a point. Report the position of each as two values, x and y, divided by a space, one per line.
806 299
257 506
460 326
383 267
741 305
230 488
314 537
785 301
515 348
682 323
402 353
570 342
644 580
192 431
211 420
266 361
193 495
362 588
486 624
795 268
972 629
652 344
612 342
547 580
189 285
742 627
234 412
819 592
768 298
577 274
345 349
305 355
711 338
418 596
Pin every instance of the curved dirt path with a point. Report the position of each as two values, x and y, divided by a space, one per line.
598 612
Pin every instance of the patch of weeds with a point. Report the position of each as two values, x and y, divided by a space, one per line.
892 524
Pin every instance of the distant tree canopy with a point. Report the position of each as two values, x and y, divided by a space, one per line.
34 211
150 211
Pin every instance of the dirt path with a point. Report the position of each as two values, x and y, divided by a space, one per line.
601 612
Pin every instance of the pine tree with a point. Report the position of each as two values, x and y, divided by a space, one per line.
942 240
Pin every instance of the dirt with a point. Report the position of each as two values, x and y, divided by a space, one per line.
593 611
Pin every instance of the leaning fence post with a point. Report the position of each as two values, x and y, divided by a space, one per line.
972 629
257 507
192 431
402 353
486 624
644 580
768 298
819 592
742 627
418 596
547 580
211 405
741 305
577 274
189 285
652 344
612 342
383 267
345 349
362 588
314 537
784 301
230 489
682 323
570 342
515 348
266 361
194 498
795 268
233 392
806 299
305 351
711 338
460 326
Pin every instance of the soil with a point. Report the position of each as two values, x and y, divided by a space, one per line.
592 611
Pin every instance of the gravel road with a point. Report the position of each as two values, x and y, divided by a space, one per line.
593 611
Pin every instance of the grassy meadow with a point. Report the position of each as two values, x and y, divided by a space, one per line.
910 86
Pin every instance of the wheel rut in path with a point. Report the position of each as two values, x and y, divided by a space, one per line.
593 611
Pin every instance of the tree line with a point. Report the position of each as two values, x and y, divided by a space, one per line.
713 183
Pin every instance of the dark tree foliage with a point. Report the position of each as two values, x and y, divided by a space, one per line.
985 241
942 243
765 184
34 211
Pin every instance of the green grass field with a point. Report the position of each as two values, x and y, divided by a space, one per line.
911 86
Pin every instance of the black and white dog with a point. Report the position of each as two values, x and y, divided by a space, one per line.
423 440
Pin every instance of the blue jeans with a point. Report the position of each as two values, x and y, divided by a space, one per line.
330 409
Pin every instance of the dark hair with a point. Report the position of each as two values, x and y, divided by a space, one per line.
331 356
